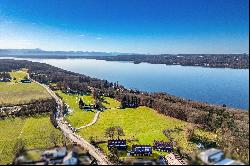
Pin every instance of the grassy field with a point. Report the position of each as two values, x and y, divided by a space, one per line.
78 117
34 131
142 124
110 103
15 92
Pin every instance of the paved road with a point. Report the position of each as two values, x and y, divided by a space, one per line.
93 122
97 154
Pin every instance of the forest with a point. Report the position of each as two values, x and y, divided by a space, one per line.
237 61
231 125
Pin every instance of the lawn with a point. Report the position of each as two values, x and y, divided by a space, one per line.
34 131
78 117
110 103
141 123
18 75
14 92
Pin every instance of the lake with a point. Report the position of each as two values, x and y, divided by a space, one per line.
211 85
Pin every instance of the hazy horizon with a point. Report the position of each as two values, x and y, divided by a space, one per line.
110 52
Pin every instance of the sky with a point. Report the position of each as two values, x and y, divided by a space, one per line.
131 26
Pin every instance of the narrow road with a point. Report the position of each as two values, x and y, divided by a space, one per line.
97 154
93 122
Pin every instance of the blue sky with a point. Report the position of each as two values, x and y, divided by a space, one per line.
139 26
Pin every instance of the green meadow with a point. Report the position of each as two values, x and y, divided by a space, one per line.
34 131
78 117
15 92
110 103
143 125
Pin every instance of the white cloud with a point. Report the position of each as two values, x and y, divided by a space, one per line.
99 38
81 35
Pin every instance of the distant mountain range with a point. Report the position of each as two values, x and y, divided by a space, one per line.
39 52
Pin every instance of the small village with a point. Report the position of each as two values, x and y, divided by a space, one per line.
121 150
56 156
143 154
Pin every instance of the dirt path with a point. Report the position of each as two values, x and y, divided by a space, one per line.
93 122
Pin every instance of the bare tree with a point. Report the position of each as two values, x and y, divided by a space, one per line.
53 138
189 132
19 147
119 131
110 132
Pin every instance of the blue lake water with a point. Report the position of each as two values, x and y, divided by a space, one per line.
211 85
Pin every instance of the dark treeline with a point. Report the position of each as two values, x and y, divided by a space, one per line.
130 101
237 61
5 75
31 109
231 125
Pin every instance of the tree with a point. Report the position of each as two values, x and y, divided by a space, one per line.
110 132
95 94
81 103
53 138
19 147
64 140
114 155
189 132
98 104
25 77
120 131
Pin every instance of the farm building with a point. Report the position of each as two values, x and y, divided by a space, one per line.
83 105
119 144
163 146
4 80
71 91
25 81
55 153
141 150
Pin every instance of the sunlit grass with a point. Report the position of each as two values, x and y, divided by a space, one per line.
142 124
35 132
78 117
14 92
111 103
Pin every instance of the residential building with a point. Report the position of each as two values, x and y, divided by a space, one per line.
216 157
119 144
141 150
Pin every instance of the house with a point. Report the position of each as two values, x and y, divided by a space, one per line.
25 81
4 79
162 160
216 157
85 160
55 153
163 146
211 156
70 159
141 150
83 105
119 144
228 161
71 91
143 162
